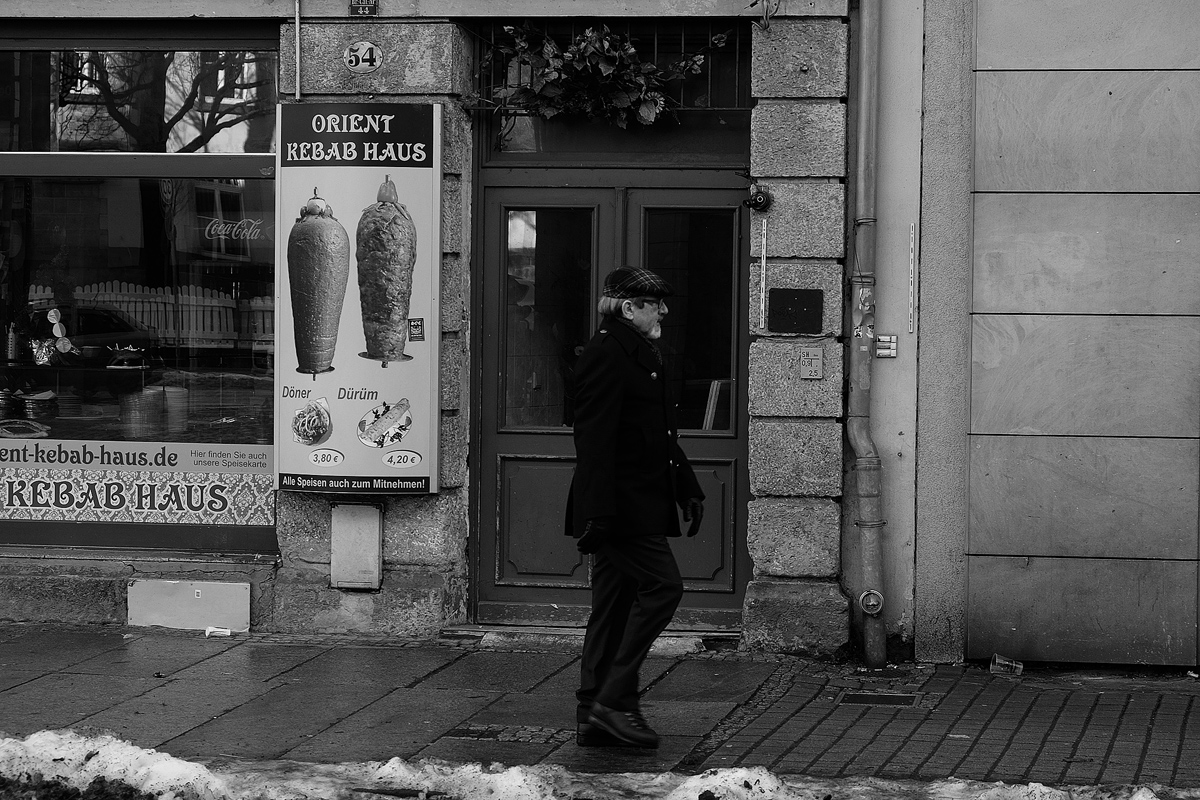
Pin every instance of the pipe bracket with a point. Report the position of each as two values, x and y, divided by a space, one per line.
871 602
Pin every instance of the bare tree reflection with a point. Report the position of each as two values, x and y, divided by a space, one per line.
155 101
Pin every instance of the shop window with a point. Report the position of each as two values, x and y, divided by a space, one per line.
137 293
115 285
139 319
158 101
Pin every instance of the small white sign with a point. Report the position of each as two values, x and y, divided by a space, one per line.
363 57
810 363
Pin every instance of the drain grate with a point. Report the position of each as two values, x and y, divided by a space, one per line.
878 699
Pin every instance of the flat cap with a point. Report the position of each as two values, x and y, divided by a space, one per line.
625 282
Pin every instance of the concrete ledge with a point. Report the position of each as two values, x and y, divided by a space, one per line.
778 388
426 531
453 373
570 640
798 138
420 58
795 458
90 586
807 616
806 220
453 439
800 58
794 538
415 605
63 598
455 215
453 316
824 275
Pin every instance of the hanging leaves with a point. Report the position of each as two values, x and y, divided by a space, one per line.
598 76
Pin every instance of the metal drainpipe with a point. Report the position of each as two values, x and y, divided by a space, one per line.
297 10
867 464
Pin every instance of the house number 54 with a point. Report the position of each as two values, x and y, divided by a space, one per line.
363 57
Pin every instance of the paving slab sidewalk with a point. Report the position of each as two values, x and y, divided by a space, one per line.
334 699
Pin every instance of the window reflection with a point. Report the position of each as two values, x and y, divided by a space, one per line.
694 250
142 307
546 298
138 101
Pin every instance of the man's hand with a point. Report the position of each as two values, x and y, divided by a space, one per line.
693 510
595 532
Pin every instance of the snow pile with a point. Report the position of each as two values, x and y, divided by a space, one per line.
545 782
737 784
1037 791
973 790
474 780
76 760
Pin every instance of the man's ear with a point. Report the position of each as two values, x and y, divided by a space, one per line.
627 309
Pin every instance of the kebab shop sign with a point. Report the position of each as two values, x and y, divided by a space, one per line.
357 400
363 137
136 481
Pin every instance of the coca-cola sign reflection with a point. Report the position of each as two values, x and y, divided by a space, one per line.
243 230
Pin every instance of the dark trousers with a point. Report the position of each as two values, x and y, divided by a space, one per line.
636 588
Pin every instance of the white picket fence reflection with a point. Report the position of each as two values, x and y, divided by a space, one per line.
189 315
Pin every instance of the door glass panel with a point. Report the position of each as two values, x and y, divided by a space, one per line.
548 266
694 249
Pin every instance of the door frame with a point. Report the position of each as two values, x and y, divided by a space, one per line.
581 178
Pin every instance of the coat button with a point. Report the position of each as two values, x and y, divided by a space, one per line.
653 376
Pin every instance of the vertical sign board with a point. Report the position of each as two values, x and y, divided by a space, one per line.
357 292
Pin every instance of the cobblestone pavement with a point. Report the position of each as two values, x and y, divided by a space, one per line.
475 697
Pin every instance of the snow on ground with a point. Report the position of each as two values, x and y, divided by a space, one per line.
76 759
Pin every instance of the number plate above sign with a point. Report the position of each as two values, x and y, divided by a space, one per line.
363 57
364 8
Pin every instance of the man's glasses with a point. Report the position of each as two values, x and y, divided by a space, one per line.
658 303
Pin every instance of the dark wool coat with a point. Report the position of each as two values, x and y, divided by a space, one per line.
628 461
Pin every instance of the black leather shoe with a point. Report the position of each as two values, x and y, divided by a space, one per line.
628 726
588 735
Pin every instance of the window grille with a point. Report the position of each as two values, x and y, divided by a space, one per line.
723 83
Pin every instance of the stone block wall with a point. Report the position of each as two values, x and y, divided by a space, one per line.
424 537
794 602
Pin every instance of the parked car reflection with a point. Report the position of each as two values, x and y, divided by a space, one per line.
103 335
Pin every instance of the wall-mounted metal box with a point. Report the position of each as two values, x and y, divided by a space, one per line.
356 547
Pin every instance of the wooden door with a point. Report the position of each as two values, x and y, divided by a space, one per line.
545 254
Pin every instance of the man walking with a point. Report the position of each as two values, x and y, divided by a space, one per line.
630 475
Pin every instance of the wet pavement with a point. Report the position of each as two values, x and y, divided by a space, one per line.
470 697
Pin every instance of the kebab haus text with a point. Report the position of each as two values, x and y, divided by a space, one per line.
363 139
137 477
